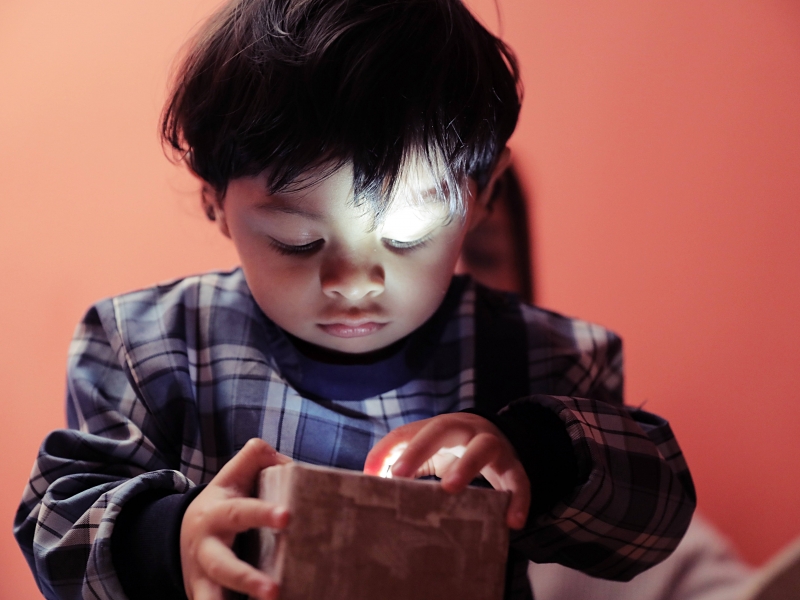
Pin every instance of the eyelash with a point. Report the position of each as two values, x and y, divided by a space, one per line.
311 247
288 250
407 246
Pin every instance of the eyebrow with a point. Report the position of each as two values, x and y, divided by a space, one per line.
277 204
431 195
433 192
282 207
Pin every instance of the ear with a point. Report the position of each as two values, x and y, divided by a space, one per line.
212 206
482 204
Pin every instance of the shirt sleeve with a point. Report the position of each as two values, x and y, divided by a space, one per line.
624 497
114 452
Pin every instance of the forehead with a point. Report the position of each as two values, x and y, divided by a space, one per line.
322 192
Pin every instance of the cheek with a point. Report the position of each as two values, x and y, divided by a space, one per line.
282 287
441 270
285 296
447 257
277 280
425 279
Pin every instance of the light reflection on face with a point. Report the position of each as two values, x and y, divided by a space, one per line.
318 267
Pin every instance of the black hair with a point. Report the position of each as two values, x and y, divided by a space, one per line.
509 190
286 86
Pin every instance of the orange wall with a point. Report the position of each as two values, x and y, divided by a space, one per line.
661 142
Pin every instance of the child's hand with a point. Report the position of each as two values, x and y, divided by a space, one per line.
213 519
457 447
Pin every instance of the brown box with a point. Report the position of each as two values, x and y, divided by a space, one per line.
353 536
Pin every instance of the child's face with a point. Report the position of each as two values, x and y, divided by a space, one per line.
319 269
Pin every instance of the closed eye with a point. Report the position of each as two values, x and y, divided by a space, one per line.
303 249
406 246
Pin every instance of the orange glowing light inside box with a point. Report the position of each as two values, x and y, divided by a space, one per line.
448 454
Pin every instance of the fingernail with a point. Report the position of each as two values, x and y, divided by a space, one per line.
398 468
267 592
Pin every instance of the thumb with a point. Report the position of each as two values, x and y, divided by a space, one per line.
241 471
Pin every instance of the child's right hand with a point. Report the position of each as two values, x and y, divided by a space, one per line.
223 509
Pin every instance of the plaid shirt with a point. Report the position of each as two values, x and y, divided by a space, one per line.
166 384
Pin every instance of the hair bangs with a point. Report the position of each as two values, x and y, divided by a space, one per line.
290 87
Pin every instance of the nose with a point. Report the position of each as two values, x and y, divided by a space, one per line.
351 277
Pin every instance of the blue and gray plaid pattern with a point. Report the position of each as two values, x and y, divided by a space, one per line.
165 385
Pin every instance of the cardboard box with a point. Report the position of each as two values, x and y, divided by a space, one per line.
353 536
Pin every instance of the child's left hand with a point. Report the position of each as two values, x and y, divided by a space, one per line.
456 447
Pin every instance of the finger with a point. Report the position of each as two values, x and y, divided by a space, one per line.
435 435
240 514
205 590
242 470
389 442
481 451
520 503
515 480
222 567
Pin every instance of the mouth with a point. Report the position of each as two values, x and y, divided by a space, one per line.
351 329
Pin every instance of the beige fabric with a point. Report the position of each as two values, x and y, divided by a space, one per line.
703 567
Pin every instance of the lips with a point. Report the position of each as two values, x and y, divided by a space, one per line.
351 329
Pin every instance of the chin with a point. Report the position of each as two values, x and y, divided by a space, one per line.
357 345
360 346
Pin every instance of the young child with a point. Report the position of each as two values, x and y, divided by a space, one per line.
346 147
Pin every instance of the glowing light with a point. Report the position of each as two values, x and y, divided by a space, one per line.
409 223
391 458
395 453
457 451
